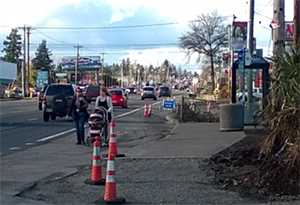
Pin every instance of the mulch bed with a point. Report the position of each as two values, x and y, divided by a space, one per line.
237 168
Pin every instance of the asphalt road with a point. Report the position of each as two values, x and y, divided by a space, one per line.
22 126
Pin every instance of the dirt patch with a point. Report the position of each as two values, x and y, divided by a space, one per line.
237 168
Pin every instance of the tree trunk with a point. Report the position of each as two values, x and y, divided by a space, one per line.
212 72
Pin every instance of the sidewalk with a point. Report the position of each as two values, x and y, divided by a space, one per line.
189 140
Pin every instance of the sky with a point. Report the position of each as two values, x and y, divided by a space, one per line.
158 42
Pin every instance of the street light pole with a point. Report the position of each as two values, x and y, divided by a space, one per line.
77 62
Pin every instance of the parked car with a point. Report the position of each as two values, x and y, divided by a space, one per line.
41 97
92 92
119 97
57 101
148 92
164 91
13 92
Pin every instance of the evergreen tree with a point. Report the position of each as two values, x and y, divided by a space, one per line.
42 57
12 47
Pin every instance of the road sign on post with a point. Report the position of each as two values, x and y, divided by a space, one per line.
169 104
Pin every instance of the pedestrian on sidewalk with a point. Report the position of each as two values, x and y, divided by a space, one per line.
104 101
79 114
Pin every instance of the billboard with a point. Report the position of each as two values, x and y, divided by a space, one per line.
42 78
86 63
239 34
8 71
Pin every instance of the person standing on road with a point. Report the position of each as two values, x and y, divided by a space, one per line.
79 114
104 100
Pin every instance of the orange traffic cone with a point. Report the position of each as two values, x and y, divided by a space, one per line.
145 110
96 170
112 147
110 193
149 110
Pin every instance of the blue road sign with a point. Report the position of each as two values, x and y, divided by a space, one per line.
169 104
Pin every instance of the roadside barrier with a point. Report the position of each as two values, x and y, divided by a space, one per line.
96 170
110 193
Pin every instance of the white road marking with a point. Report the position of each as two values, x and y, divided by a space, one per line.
73 129
14 148
32 119
56 135
29 143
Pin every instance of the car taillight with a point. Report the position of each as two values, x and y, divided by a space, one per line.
122 99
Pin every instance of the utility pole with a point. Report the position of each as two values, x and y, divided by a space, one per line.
278 29
97 72
28 58
297 23
24 64
251 49
102 68
251 27
77 62
122 75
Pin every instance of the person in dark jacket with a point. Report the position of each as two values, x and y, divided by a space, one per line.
79 114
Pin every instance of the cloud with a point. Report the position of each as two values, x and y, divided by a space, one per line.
125 12
31 12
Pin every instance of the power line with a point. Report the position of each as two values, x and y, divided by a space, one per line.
137 45
104 27
50 37
107 27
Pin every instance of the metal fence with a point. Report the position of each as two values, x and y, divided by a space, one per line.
197 110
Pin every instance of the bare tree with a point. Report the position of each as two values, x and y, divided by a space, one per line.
208 36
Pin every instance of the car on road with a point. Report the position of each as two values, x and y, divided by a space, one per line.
132 90
57 101
92 92
164 91
118 97
148 92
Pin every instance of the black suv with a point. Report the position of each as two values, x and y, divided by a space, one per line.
164 91
57 101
